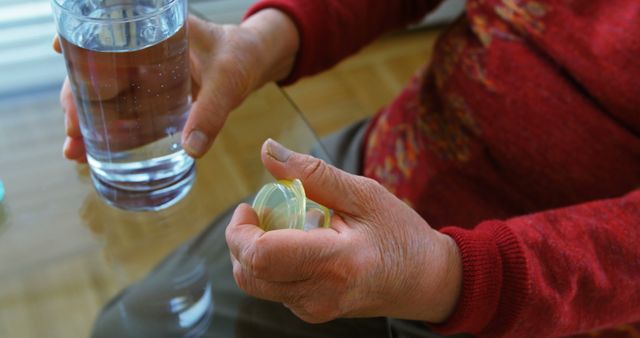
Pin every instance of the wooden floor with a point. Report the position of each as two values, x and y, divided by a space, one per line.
60 299
361 85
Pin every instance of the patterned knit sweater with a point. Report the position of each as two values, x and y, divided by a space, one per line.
521 141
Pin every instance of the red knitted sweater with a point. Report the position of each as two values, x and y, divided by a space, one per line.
521 140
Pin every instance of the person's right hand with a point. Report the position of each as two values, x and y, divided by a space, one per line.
227 64
379 258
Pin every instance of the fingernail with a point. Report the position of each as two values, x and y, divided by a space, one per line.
278 151
313 219
197 142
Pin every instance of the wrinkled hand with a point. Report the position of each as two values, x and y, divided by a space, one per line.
379 258
227 64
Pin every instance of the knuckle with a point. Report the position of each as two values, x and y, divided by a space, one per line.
239 276
259 264
215 31
318 313
369 191
313 168
372 185
245 257
295 297
236 73
228 234
313 308
295 300
227 64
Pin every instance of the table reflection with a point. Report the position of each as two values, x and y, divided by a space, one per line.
192 294
134 241
64 253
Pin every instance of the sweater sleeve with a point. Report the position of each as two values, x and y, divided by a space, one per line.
334 29
552 273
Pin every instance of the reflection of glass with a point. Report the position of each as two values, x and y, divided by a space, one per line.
180 304
136 241
128 62
175 301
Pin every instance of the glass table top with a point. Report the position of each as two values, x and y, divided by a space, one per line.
64 253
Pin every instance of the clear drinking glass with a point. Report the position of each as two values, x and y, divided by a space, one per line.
128 63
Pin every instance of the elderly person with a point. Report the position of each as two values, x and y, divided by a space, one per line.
502 193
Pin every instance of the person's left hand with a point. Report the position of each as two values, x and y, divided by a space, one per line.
379 258
228 62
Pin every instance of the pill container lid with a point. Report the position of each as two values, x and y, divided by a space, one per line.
284 205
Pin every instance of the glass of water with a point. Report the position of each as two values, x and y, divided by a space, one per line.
128 64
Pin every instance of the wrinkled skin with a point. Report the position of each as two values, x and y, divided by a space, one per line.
379 258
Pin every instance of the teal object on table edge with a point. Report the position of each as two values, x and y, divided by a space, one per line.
1 191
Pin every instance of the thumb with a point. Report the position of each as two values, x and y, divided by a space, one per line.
206 118
217 97
323 183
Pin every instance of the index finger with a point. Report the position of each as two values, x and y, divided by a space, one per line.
242 232
281 255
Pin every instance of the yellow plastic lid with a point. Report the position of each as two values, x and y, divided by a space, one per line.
284 205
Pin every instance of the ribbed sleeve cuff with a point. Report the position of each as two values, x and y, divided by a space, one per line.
305 58
495 282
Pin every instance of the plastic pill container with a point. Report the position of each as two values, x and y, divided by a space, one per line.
284 205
